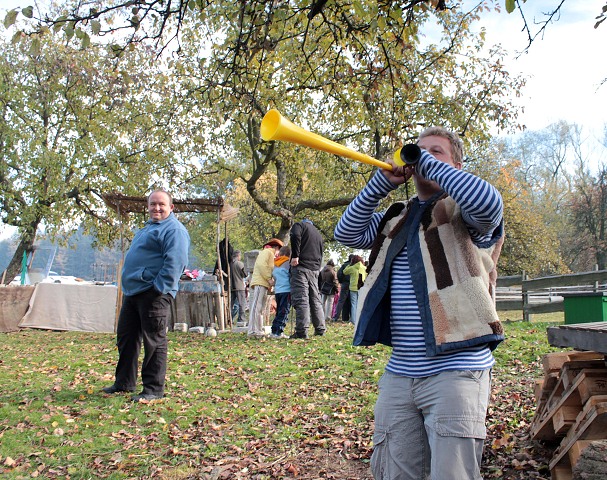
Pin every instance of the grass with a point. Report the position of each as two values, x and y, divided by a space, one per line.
237 407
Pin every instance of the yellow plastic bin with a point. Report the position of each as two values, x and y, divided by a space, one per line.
585 307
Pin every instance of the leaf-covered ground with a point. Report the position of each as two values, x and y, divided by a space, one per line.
236 408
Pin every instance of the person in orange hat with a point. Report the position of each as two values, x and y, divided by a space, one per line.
261 282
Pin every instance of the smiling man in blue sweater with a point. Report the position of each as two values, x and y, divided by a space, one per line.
150 278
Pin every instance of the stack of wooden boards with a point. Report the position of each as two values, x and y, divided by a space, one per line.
571 406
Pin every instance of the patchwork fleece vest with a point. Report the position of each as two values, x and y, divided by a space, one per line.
453 278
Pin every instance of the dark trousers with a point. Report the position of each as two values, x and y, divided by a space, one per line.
305 298
143 317
283 306
343 304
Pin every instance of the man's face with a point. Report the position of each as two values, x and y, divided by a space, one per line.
440 148
159 206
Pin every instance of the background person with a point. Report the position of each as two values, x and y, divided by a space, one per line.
356 272
306 259
429 295
261 281
150 279
226 255
329 286
343 302
238 282
282 291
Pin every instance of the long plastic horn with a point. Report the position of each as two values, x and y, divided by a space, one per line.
276 127
407 155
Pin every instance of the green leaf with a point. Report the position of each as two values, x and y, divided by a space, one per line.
35 46
17 37
10 18
510 5
69 30
28 11
96 27
86 40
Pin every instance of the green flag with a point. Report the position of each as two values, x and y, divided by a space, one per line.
23 268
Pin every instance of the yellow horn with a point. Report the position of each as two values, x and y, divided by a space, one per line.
276 127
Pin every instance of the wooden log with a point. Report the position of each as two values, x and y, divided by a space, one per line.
208 315
576 450
538 388
571 370
592 464
218 311
555 361
556 382
594 383
542 427
563 418
591 424
181 303
561 473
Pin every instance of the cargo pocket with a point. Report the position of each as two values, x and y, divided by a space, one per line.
381 456
158 313
463 426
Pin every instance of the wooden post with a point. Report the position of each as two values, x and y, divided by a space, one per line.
525 294
228 291
219 311
118 294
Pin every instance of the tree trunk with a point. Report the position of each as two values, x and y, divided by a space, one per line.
26 244
592 464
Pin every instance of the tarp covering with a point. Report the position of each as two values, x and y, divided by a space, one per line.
14 302
83 308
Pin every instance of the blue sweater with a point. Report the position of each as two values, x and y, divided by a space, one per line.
282 277
157 258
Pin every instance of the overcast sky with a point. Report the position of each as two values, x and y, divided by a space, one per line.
565 66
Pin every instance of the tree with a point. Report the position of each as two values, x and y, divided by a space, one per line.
360 74
537 28
368 88
162 22
588 211
589 217
75 125
531 244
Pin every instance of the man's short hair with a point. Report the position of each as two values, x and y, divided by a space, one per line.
237 252
457 146
160 190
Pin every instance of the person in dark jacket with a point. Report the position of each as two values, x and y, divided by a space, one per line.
329 286
343 303
306 259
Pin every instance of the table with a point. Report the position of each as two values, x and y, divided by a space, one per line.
580 336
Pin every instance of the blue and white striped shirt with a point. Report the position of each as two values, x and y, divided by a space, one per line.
481 207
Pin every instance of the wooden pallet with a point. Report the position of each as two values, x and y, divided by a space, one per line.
560 410
571 406
590 424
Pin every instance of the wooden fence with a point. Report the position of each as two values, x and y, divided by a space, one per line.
545 294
